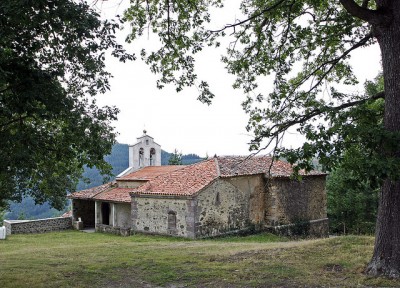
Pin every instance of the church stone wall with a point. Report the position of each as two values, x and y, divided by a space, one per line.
122 215
237 204
163 215
230 204
290 201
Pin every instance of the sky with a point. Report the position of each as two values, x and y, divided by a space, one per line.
178 120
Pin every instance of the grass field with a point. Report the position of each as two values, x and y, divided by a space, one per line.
76 259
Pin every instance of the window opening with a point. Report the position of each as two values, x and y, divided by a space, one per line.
152 156
171 220
217 199
141 157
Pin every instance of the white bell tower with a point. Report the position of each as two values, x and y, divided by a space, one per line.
144 153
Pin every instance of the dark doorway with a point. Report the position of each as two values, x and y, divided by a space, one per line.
105 213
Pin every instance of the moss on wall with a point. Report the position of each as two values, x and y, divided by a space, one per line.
290 201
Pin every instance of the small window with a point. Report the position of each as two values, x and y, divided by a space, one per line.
147 142
171 221
217 199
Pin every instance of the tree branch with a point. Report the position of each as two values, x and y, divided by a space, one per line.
21 118
374 17
365 4
250 18
332 63
318 111
168 22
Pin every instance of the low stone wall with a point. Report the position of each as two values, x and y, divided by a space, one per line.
37 226
113 230
303 229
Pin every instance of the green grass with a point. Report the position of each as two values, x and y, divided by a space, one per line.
76 259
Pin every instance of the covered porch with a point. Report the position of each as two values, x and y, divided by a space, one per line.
111 217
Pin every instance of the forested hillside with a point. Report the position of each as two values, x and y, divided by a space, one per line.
90 178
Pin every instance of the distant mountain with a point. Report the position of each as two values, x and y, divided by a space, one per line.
118 160
27 209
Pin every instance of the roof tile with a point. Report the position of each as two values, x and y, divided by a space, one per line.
150 172
90 193
184 182
191 179
115 195
188 180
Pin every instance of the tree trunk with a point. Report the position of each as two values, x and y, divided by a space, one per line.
386 258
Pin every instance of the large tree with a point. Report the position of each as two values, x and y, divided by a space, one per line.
352 186
305 45
51 68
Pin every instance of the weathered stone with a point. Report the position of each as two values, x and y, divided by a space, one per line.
123 231
37 226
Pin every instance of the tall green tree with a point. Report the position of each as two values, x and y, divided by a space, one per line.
305 45
351 187
175 158
352 202
51 68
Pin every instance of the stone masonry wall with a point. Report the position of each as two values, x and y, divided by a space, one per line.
117 230
230 204
313 228
37 226
123 215
290 201
161 216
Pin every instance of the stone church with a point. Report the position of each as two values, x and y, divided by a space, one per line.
221 195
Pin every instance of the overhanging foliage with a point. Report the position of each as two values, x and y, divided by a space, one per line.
51 67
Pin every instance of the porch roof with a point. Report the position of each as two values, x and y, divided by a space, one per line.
115 195
91 192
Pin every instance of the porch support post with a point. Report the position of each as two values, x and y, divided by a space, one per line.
113 214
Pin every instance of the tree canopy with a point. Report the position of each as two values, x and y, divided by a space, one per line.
176 158
352 187
305 46
51 68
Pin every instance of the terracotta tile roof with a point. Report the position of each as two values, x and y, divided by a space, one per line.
183 182
242 165
115 195
150 172
90 193
191 179
187 180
